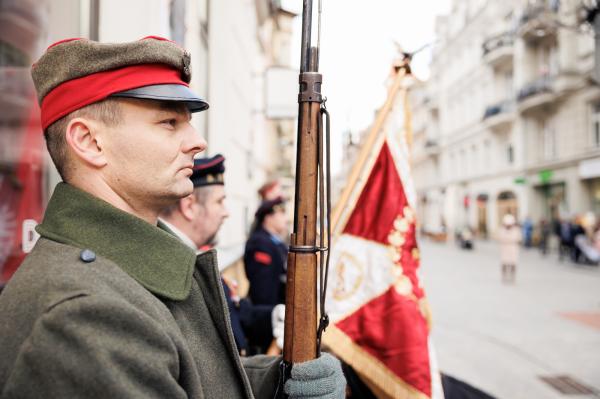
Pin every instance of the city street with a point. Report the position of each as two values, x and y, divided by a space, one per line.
502 338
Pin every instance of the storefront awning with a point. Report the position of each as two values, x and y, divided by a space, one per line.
589 169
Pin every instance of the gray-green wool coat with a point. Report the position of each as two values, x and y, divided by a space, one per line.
143 318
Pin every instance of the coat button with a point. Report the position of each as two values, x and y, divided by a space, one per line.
87 256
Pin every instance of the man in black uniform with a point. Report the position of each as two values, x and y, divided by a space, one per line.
266 254
196 220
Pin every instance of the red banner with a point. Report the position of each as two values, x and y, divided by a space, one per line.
378 308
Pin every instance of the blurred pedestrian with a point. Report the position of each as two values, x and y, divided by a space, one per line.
564 231
196 220
108 304
509 239
265 256
545 233
579 239
527 232
464 238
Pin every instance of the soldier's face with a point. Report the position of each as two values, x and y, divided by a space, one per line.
211 214
279 221
150 154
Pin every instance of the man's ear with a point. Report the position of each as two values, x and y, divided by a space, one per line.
82 140
186 207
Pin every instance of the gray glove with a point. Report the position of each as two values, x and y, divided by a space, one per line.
319 378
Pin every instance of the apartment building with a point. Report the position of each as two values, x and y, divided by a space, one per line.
232 43
509 121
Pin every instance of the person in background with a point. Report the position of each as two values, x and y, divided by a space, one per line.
265 256
527 232
545 233
196 220
577 230
509 239
564 231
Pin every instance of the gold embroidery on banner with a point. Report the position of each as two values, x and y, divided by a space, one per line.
350 275
397 239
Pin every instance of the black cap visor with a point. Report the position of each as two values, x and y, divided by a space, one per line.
167 92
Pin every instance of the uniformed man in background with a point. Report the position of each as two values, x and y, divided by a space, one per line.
108 304
196 220
265 255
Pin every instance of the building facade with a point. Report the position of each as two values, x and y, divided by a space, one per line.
232 43
509 121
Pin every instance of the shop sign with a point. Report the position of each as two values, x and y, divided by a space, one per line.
546 176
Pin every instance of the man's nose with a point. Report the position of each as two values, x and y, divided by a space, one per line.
194 142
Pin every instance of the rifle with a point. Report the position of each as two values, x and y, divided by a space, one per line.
302 336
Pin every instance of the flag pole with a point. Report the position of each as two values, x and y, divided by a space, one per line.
365 151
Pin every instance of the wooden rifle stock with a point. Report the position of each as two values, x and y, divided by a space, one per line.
300 339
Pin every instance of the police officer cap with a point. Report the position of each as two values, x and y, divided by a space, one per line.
208 171
73 73
267 207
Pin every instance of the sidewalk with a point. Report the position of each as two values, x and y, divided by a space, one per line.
504 338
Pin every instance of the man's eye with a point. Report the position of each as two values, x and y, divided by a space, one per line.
171 122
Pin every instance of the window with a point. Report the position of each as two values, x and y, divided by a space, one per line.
595 119
510 156
487 156
548 142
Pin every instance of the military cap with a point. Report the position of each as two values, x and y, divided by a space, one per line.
267 207
73 73
208 171
267 190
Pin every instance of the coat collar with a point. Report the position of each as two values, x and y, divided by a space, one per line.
153 257
163 224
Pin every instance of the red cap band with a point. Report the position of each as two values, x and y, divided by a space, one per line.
77 93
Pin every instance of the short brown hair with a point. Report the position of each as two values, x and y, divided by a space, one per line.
107 111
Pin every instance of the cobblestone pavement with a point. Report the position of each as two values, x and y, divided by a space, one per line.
502 338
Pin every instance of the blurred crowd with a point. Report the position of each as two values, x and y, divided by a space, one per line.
571 237
575 237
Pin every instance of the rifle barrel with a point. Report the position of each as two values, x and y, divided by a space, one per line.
306 35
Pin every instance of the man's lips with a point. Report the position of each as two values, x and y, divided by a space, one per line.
189 167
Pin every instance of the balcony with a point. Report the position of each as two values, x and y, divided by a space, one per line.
537 94
498 50
499 117
432 148
539 23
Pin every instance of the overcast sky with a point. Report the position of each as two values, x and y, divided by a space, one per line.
357 49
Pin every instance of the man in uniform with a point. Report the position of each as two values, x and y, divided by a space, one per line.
265 254
196 220
108 304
